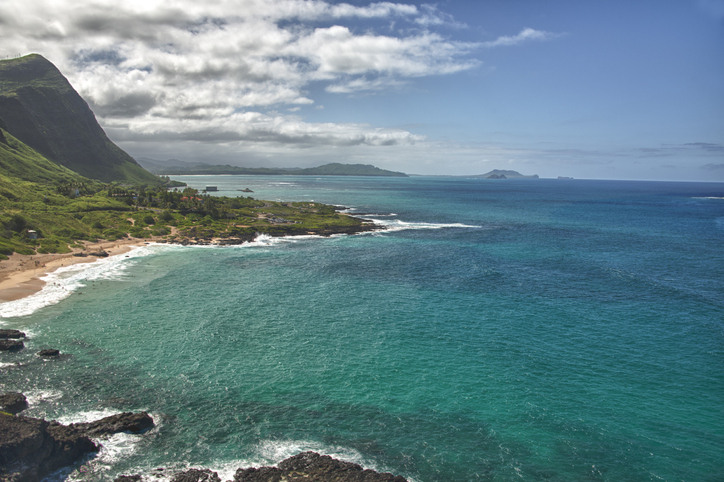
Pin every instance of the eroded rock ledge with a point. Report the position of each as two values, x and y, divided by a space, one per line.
303 467
31 448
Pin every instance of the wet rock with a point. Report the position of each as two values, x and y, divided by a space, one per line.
13 402
310 466
128 478
30 448
99 254
123 422
11 345
5 334
49 353
196 475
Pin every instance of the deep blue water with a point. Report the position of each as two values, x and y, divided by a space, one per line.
499 330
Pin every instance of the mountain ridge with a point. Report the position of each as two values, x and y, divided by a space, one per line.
179 168
40 108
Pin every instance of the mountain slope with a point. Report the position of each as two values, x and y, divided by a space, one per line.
18 161
40 108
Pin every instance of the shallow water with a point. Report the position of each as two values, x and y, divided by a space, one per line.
499 330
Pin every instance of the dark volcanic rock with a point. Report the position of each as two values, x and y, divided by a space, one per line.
128 478
196 475
13 402
4 334
30 448
123 422
11 345
310 466
49 352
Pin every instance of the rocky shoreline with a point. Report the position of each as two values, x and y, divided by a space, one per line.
32 448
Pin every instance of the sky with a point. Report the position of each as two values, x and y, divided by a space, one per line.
597 89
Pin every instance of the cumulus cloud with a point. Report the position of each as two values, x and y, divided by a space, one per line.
203 70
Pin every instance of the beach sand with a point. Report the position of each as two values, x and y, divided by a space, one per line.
20 275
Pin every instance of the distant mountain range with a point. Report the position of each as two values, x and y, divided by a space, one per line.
176 167
40 108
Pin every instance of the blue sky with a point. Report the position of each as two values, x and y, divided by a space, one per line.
589 89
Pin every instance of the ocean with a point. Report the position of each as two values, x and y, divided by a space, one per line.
563 330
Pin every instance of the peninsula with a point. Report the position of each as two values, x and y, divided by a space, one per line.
66 189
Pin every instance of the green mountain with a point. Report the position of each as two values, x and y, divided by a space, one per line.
173 167
40 108
19 161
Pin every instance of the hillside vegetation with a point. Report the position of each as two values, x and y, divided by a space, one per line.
46 208
39 107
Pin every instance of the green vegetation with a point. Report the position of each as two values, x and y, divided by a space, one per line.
46 208
40 108
62 181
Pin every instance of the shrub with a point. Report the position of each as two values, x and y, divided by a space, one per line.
165 216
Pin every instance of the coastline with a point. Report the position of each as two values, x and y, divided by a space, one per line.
20 275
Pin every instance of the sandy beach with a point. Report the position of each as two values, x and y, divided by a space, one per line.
20 275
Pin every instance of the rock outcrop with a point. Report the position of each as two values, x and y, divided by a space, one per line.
49 353
310 466
13 402
31 448
122 422
11 345
5 334
196 475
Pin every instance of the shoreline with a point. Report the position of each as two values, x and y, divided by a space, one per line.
20 274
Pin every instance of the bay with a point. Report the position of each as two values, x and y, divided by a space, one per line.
497 330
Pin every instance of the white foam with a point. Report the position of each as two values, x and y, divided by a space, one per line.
87 416
67 279
369 215
36 396
399 225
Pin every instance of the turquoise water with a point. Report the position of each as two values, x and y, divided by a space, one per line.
499 330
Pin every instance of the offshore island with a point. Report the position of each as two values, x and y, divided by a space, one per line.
69 194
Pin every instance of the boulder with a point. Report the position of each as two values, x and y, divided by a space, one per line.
128 478
122 422
310 466
5 334
11 345
196 475
49 353
30 448
13 402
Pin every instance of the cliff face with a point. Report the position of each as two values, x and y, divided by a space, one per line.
40 108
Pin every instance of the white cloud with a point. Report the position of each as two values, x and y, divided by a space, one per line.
525 35
194 74
202 70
